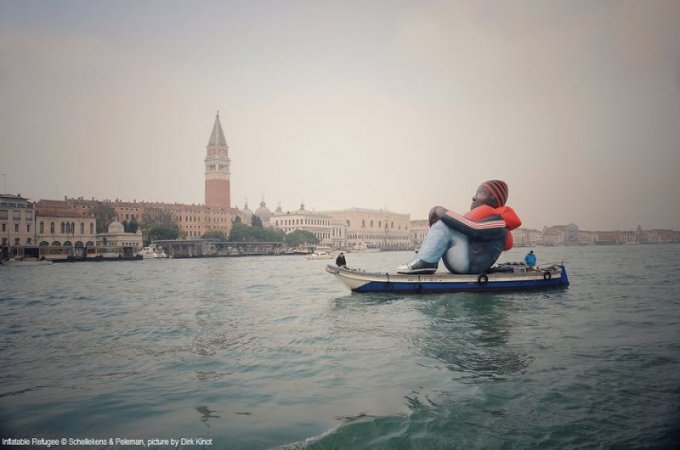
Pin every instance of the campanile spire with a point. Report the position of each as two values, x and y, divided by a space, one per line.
217 171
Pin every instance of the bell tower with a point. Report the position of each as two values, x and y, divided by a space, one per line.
217 185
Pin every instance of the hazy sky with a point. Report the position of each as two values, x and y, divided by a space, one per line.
378 104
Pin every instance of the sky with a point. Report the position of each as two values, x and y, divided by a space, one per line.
398 105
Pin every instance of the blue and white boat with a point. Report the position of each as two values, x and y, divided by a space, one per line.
511 276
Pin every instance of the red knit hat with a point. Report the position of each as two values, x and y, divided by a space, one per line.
498 189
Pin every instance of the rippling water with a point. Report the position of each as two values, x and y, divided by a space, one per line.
272 352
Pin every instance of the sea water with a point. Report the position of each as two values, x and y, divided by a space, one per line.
273 352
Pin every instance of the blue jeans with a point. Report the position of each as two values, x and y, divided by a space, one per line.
442 241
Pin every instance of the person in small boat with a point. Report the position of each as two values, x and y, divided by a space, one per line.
340 260
470 243
530 259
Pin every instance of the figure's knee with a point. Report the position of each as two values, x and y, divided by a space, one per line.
456 259
439 226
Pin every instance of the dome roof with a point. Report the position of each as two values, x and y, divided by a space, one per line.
263 212
302 210
246 213
116 227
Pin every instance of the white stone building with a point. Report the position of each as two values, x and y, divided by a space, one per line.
321 225
419 229
17 220
60 225
117 237
383 229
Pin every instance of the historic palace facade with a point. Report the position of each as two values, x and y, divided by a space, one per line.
377 228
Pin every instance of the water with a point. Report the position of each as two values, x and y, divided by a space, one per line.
272 352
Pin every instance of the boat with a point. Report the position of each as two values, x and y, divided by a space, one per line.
508 276
116 253
362 247
320 255
151 252
299 250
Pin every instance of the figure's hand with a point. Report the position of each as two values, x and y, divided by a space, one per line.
436 213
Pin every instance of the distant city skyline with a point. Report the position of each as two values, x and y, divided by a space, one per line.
402 107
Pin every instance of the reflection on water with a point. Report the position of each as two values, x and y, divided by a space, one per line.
471 337
206 414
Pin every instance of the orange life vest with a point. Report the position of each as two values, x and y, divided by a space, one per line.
506 213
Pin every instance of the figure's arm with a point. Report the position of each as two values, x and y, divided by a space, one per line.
481 231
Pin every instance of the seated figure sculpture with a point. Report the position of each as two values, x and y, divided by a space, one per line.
468 244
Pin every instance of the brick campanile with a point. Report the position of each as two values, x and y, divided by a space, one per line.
217 187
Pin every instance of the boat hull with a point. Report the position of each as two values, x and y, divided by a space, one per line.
360 281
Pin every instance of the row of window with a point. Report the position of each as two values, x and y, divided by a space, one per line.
66 227
54 251
16 228
319 234
377 237
17 241
390 225
219 219
284 222
16 214
7 204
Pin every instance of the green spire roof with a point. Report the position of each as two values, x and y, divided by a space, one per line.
217 135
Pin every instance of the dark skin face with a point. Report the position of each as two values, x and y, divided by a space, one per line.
483 197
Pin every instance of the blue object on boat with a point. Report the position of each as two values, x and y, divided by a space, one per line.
513 279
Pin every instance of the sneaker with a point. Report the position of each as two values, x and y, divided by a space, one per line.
418 267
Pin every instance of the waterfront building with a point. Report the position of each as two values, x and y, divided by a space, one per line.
263 213
658 236
611 237
61 224
571 234
338 234
419 229
217 171
193 220
117 237
561 235
526 237
245 214
383 229
17 220
319 224
585 237
554 235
